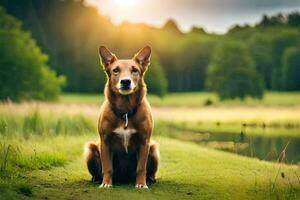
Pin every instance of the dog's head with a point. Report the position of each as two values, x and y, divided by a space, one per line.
125 76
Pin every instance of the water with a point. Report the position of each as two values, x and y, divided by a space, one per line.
263 147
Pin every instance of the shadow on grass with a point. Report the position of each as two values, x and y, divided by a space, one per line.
80 188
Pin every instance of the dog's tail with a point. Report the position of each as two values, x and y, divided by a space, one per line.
93 161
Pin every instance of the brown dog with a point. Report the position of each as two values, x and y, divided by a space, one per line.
125 125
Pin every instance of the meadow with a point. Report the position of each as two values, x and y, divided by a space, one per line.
41 149
196 99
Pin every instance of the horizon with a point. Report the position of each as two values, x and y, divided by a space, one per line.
213 16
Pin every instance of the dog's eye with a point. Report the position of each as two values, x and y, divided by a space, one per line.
135 70
116 70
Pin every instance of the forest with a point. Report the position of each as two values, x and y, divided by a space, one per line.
252 58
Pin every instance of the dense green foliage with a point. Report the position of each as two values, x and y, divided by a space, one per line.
267 45
70 32
232 72
24 73
291 68
156 78
72 42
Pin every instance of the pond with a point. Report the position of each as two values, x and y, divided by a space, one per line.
269 148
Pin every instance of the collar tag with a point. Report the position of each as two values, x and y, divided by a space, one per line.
126 120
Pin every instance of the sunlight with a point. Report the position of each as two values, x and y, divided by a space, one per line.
126 3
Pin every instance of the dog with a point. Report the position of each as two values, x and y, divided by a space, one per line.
125 152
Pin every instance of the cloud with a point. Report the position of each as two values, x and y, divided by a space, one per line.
213 15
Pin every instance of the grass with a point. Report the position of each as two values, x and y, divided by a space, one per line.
35 122
20 156
278 113
233 116
37 118
41 149
196 99
187 171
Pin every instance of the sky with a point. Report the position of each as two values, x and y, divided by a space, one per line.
213 15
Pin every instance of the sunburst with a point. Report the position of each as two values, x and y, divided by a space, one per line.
126 3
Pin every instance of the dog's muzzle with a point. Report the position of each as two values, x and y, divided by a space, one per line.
125 84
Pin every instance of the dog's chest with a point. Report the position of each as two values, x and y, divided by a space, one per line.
125 135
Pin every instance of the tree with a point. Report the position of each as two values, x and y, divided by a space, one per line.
260 49
24 73
198 29
294 19
70 32
232 73
274 20
280 42
172 26
155 79
291 69
195 53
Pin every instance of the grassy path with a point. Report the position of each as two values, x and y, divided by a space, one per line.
187 171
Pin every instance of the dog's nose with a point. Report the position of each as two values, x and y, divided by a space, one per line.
125 82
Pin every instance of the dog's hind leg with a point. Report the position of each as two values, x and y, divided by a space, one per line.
93 160
152 163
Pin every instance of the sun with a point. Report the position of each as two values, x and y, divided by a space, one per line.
126 3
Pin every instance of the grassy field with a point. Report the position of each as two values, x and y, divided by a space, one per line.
197 99
277 110
41 151
187 171
254 120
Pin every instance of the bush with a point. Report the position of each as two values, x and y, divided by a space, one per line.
155 79
232 73
291 69
24 73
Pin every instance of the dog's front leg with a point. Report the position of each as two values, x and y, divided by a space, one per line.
107 170
141 166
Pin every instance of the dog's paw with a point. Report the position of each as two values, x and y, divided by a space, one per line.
105 185
141 186
151 180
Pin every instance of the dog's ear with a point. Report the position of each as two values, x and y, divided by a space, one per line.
143 57
107 58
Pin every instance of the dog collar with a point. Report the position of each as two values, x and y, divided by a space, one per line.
125 116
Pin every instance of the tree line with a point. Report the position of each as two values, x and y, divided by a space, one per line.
260 57
24 73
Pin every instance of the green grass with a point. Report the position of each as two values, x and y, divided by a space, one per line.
20 156
36 122
187 171
41 146
196 99
278 113
81 98
53 119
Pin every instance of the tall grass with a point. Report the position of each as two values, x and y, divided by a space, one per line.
16 155
20 128
23 144
41 123
16 159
